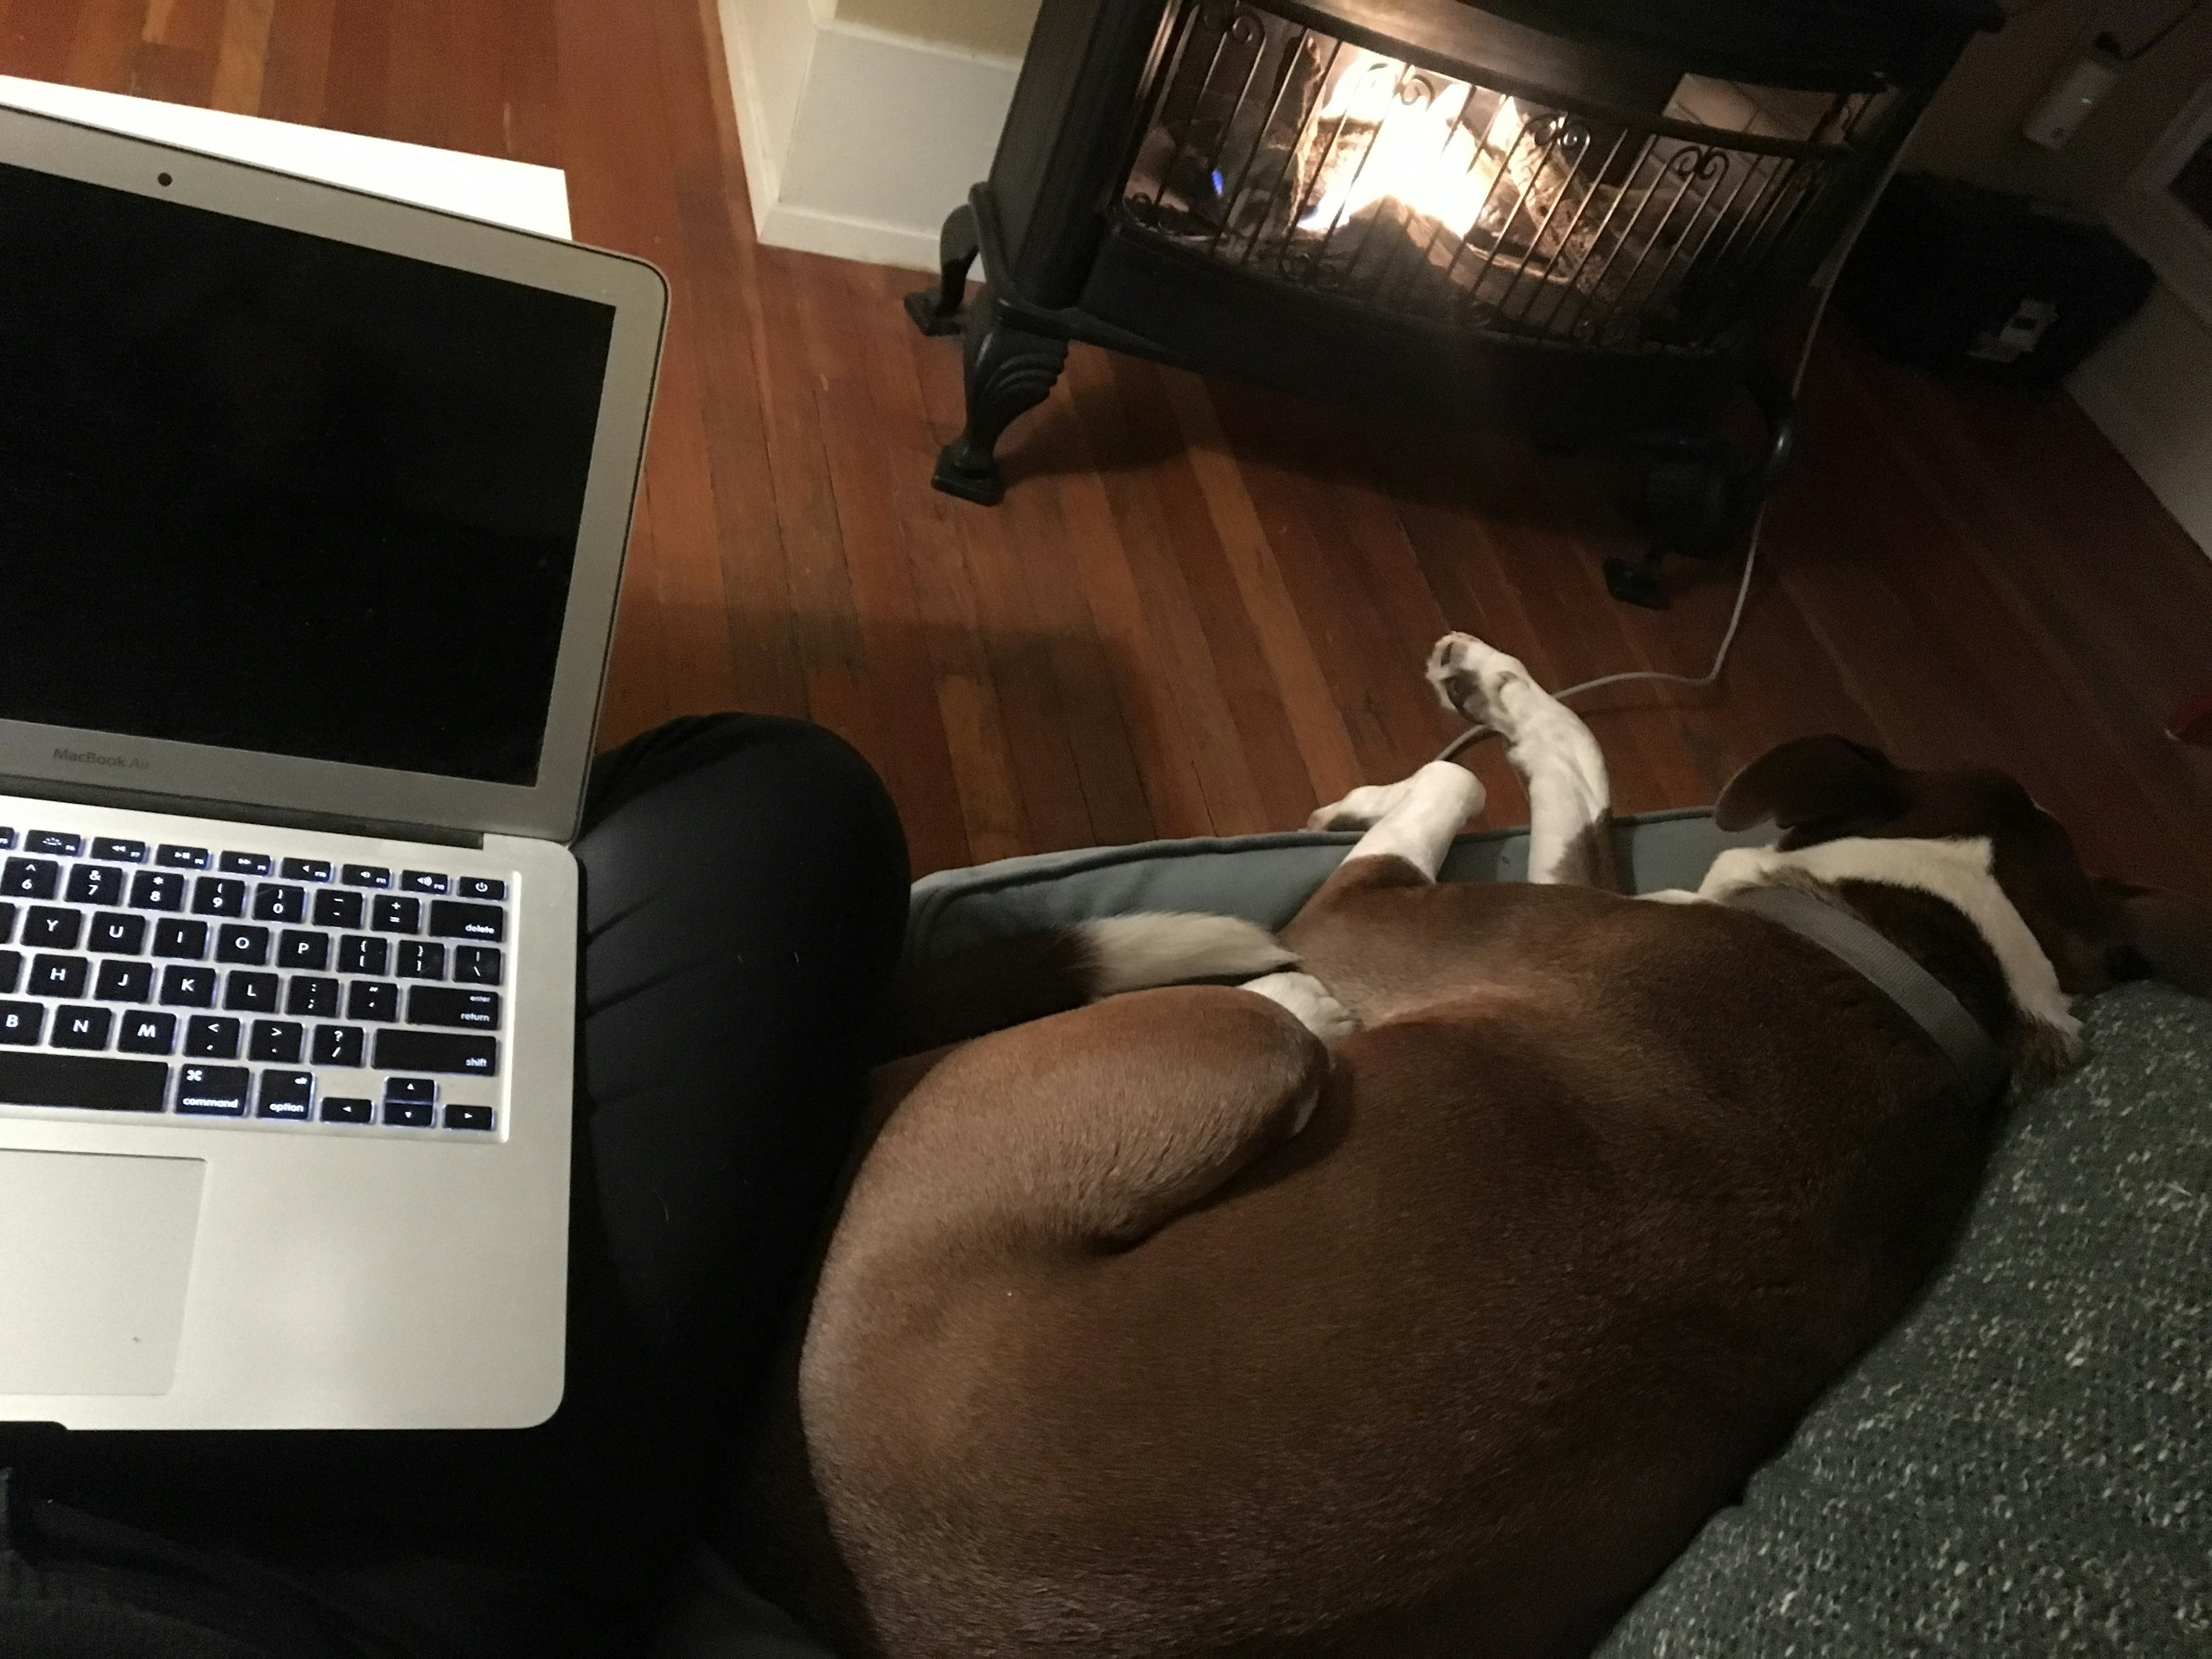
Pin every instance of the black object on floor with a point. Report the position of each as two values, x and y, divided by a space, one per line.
1949 275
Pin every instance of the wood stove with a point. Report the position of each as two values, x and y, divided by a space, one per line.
1572 217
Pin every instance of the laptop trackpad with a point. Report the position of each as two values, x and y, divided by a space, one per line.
94 1253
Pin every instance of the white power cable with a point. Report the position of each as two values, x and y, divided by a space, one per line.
1475 733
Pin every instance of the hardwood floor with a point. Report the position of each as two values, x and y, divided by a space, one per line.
1202 609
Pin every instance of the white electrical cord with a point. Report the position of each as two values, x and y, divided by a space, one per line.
1475 733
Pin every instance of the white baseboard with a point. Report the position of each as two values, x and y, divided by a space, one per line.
857 142
2143 388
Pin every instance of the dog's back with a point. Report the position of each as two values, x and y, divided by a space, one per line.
1110 1357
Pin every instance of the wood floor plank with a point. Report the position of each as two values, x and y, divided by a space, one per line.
1260 727
105 49
943 764
41 34
242 58
1316 726
295 72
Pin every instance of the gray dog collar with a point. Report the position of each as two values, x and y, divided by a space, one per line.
1981 1065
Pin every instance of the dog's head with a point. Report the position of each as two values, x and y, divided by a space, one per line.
2096 932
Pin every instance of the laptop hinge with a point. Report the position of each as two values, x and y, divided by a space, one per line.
138 800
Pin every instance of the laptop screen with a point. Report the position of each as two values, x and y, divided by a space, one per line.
267 491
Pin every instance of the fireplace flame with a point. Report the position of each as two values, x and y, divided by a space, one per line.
1384 131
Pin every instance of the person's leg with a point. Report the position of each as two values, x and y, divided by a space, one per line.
745 899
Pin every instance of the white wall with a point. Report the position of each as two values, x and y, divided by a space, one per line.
858 140
2150 389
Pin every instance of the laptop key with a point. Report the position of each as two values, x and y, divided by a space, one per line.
119 852
279 903
408 1114
182 858
278 1041
403 1050
180 939
479 887
421 881
124 982
47 928
212 1090
483 923
304 870
7 919
251 994
440 1005
339 1045
310 951
7 837
391 914
410 1091
218 895
157 890
420 960
246 864
212 1037
30 878
317 998
286 1095
247 947
365 875
469 1117
81 1027
57 976
53 841
346 1109
19 1025
95 884
359 954
188 987
116 934
335 907
11 971
477 964
376 1000
98 1084
146 1034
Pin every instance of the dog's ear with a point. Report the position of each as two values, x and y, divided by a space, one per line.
2164 935
1812 781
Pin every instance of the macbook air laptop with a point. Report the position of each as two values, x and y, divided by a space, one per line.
313 509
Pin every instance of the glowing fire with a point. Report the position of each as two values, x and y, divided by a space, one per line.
1417 150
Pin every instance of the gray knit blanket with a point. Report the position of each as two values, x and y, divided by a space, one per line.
2021 1467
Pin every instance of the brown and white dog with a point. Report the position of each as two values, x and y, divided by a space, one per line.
1427 1302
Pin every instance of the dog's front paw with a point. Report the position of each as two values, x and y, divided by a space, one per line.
1362 809
1470 676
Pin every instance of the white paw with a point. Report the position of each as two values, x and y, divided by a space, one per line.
1362 809
1308 998
1470 676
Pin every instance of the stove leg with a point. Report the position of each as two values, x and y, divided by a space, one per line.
936 310
1010 371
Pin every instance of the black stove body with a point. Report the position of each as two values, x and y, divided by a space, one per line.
1575 218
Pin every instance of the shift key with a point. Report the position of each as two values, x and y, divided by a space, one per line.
452 919
448 1052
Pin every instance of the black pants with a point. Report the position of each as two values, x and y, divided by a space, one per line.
744 894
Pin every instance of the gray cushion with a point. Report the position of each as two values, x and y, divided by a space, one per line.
2021 1467
1263 878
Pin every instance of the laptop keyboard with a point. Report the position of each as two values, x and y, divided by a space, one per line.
214 982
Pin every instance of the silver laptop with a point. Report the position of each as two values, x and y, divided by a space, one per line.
313 508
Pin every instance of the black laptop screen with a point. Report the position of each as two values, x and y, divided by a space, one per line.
267 491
